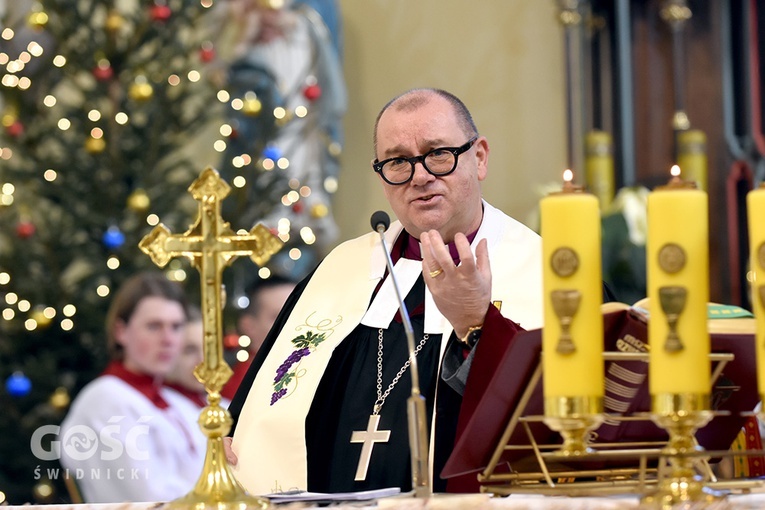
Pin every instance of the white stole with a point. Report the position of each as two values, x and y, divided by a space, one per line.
270 438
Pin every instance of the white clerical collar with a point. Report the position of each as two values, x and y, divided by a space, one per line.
385 304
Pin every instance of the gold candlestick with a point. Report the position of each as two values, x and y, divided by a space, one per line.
573 418
681 415
211 245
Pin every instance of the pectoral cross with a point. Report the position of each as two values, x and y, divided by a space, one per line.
369 437
211 245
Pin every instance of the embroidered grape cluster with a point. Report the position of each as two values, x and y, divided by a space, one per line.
277 395
291 360
285 374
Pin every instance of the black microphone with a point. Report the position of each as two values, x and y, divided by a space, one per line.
416 412
380 220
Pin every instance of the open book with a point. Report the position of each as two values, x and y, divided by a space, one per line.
625 330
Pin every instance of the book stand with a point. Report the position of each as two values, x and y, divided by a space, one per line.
611 468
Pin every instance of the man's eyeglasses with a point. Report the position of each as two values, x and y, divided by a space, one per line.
439 162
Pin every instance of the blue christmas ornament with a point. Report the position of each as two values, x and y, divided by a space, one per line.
113 238
18 385
272 152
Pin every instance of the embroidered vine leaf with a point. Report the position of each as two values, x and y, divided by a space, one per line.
308 339
284 381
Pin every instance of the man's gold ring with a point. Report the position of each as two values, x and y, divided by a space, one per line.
435 273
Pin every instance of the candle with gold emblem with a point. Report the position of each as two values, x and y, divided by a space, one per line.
755 202
677 251
572 338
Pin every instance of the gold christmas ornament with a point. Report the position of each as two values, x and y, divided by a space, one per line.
114 21
39 317
252 107
141 89
319 210
38 19
8 119
95 145
138 201
60 399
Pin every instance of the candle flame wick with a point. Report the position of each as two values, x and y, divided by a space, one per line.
568 175
675 171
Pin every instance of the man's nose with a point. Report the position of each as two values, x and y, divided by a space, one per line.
421 174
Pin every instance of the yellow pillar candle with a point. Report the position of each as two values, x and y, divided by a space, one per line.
678 287
692 156
755 202
599 167
572 363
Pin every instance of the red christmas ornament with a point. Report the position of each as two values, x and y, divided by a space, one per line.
25 229
15 129
103 73
160 12
230 341
297 207
312 92
207 54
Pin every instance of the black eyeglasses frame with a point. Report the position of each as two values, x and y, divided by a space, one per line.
377 166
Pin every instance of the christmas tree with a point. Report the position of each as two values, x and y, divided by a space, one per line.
99 100
104 107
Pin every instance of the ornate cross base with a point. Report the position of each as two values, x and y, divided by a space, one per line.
217 487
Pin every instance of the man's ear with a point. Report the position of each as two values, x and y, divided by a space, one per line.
482 157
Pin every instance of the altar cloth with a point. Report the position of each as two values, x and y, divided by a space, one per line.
456 502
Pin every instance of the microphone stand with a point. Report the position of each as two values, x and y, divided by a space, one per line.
416 412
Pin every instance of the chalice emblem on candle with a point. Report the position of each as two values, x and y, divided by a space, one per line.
565 303
565 262
672 298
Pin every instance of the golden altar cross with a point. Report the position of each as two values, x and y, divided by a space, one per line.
212 245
